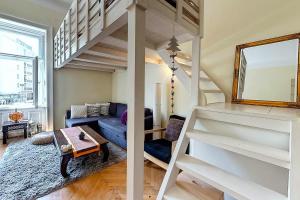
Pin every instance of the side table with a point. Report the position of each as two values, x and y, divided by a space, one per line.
11 126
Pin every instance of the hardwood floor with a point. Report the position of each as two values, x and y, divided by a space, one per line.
108 184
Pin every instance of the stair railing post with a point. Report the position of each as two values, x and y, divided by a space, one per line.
195 90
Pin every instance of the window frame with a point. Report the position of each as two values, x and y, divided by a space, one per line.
48 41
27 31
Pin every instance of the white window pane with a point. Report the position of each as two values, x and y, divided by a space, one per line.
16 83
15 43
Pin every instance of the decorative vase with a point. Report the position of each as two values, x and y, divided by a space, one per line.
81 136
16 116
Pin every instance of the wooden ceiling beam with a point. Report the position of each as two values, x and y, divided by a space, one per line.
89 68
94 65
101 60
115 53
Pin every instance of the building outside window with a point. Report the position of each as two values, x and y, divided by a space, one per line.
23 71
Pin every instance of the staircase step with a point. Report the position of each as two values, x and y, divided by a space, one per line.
215 98
198 188
261 152
212 91
177 193
204 79
224 181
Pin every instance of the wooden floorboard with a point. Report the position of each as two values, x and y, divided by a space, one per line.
108 184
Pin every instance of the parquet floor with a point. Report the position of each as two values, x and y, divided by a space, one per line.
108 184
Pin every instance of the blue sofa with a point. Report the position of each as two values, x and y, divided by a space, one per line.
110 126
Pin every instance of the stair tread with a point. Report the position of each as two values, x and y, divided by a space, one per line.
212 91
205 79
258 151
229 183
177 193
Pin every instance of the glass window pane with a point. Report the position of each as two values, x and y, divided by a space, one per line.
19 44
16 83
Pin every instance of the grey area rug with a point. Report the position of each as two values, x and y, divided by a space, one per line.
28 171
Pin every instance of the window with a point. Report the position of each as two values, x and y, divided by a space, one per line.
22 66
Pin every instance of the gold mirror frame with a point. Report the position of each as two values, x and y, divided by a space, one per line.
239 49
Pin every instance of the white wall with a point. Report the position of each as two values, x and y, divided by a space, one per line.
75 86
232 22
154 74
269 83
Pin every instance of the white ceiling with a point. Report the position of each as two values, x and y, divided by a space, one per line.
57 5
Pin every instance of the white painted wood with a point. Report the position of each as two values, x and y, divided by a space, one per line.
157 110
294 175
195 84
76 26
213 98
229 183
262 121
136 93
212 91
180 149
156 161
116 53
180 73
93 68
177 193
101 60
257 151
84 65
104 25
102 7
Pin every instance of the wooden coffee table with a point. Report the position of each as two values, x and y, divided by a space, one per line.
60 139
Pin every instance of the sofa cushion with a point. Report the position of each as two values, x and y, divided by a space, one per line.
121 108
112 109
104 108
148 112
174 129
124 117
114 124
93 110
160 149
82 121
78 111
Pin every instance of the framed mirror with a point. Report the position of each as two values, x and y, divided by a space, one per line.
267 72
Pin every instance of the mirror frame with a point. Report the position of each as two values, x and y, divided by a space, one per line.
239 49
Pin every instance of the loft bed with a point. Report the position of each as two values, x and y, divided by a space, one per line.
93 34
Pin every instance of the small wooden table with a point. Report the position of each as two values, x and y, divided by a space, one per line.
60 139
11 126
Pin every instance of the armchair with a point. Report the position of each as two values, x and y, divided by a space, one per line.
159 151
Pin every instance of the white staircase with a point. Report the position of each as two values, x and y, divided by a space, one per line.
210 92
201 125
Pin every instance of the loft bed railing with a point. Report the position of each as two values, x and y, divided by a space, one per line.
86 19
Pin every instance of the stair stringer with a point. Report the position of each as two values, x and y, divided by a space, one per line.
185 78
180 149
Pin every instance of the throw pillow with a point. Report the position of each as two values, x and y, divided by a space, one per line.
42 138
104 108
173 129
93 110
124 117
113 109
78 111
